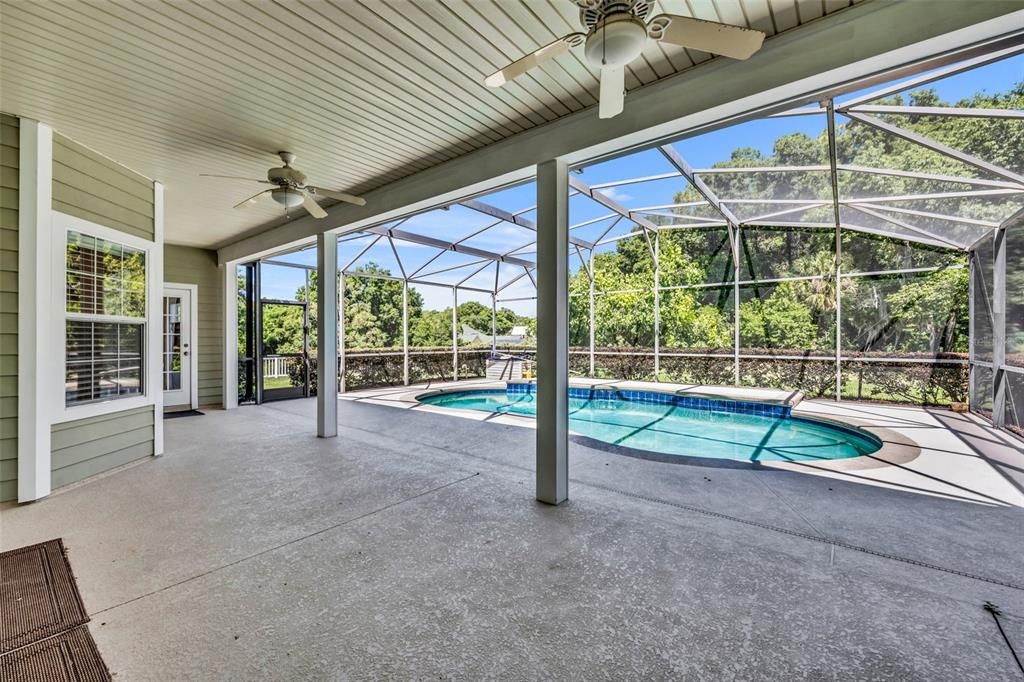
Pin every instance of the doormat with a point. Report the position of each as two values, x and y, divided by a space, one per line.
42 617
71 656
183 413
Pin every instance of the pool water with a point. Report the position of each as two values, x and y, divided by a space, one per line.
672 429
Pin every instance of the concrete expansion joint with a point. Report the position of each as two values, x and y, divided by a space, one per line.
293 541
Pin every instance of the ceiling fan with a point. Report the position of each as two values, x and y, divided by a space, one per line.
617 32
291 190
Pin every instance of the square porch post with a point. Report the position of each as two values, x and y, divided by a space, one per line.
552 332
327 335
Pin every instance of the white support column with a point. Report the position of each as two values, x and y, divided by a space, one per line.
155 319
552 332
327 335
229 397
341 332
455 333
35 298
405 332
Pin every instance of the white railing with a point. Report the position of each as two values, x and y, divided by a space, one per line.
275 366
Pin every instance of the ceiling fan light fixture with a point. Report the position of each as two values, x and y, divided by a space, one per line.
616 41
288 198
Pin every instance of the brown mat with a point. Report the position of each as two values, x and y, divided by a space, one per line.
68 657
38 595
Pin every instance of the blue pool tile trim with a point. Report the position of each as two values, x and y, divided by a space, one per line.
652 397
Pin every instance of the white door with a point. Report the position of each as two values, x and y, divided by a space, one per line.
177 346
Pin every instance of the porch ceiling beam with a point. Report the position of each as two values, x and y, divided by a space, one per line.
929 143
964 112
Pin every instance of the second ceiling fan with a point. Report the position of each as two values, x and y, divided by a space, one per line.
617 33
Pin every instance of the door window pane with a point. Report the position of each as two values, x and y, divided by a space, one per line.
172 343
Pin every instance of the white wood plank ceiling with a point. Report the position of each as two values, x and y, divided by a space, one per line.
364 92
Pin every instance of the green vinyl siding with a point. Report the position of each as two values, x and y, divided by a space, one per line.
95 444
8 307
94 188
188 265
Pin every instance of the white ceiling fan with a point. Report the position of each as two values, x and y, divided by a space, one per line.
290 189
617 32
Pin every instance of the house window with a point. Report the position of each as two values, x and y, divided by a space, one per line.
105 320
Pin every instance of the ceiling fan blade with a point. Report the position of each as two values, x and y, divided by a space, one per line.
340 196
613 95
312 207
736 42
232 177
254 198
521 66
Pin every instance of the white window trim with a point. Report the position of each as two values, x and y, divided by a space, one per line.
62 223
193 339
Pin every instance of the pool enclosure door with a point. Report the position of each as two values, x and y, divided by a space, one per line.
283 366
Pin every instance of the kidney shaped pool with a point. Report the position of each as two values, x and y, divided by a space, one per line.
680 425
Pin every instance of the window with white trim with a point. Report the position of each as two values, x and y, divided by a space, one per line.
105 320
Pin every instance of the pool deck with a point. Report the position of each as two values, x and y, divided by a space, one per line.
929 451
410 547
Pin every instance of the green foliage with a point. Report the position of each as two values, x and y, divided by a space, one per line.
901 314
373 309
781 320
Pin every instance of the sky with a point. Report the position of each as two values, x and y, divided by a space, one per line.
700 151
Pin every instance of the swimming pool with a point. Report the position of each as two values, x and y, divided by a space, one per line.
680 425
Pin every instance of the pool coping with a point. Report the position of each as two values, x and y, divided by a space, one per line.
896 449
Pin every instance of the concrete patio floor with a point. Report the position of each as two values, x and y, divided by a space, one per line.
411 547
